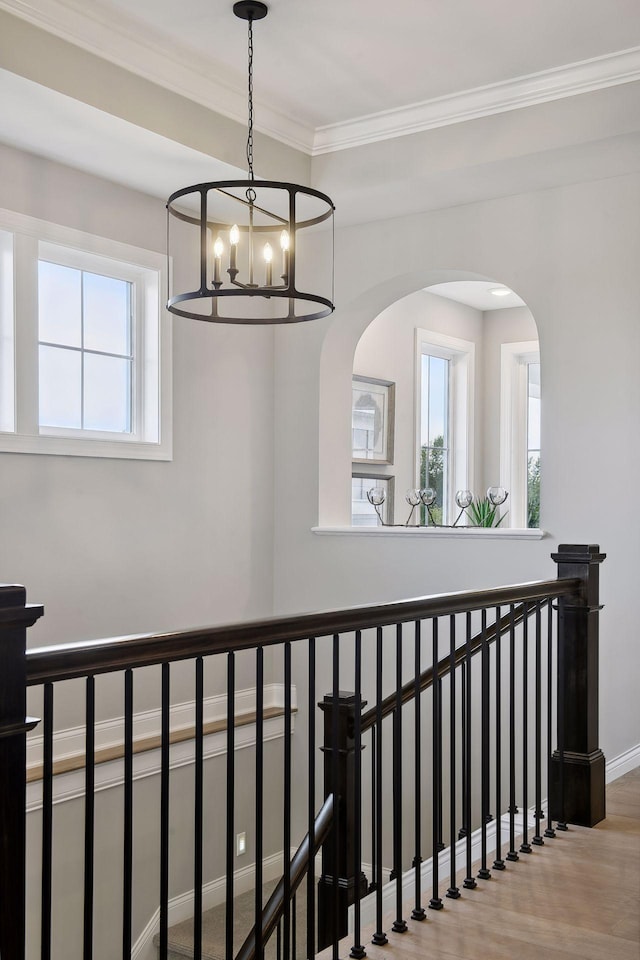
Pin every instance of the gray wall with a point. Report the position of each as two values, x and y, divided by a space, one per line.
570 253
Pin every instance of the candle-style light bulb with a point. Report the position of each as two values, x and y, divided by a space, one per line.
267 253
218 250
234 240
284 246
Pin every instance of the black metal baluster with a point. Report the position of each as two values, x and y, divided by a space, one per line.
498 863
374 819
440 843
549 832
294 935
279 941
259 952
334 762
484 872
127 861
537 838
357 950
453 892
231 774
561 823
89 817
164 813
469 882
435 903
379 937
47 822
198 811
463 831
418 912
513 809
525 846
286 825
399 925
311 798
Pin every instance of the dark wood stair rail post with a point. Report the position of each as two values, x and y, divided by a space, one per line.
338 850
15 616
577 784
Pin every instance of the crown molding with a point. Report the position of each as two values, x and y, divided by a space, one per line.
555 84
189 75
149 56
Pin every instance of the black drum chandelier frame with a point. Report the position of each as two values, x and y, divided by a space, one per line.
231 265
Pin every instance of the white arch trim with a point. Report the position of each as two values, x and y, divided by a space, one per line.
336 368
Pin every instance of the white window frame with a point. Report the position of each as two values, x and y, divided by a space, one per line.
461 354
20 431
514 360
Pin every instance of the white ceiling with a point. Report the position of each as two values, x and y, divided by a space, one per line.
337 74
321 66
333 60
476 293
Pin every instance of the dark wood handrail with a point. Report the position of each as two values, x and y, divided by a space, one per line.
390 703
67 661
274 908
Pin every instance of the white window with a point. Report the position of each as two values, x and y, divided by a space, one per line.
520 431
444 422
85 346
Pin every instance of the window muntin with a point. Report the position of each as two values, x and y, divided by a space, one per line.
92 352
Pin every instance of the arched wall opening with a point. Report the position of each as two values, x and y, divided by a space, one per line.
378 336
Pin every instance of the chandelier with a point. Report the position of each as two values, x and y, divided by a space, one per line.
244 251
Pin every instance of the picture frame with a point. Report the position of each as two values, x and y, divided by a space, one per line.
372 420
363 514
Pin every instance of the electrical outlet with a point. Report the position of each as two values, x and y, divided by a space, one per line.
241 844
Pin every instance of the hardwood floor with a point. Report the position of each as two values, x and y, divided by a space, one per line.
578 896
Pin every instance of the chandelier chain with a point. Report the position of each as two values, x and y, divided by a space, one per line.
250 102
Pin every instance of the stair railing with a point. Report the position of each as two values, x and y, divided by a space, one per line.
355 645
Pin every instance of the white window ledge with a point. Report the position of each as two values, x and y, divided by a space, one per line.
438 533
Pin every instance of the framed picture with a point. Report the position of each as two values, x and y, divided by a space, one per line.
372 420
363 513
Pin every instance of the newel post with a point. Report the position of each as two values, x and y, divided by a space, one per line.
338 850
577 784
15 617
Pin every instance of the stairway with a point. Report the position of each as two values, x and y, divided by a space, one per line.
214 929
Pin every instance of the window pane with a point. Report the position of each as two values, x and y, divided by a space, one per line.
60 387
59 304
533 445
533 396
533 489
107 393
438 369
7 385
107 314
434 433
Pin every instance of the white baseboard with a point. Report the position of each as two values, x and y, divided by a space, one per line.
614 769
625 763
368 905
